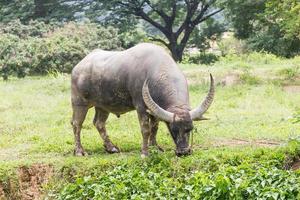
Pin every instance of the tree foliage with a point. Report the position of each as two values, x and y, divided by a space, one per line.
44 10
268 25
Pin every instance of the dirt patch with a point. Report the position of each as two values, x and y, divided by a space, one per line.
292 88
230 80
13 153
296 165
241 142
31 179
2 194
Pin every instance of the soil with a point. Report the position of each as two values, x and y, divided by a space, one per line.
292 88
2 194
13 153
241 142
230 80
31 179
296 165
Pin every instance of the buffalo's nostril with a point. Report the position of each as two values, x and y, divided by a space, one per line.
183 152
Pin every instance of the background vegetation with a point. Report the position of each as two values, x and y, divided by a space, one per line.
249 149
39 48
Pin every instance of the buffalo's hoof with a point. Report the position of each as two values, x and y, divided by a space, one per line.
80 152
111 149
157 147
160 148
144 154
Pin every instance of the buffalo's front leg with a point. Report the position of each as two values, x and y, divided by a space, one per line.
79 113
99 121
153 128
145 129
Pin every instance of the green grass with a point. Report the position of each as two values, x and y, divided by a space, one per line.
35 115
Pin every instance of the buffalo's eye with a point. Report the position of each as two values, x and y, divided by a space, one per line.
188 129
175 129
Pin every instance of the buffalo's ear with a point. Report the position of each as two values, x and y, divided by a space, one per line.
149 112
201 119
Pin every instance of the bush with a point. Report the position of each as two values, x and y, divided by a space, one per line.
57 50
253 57
200 58
231 45
33 29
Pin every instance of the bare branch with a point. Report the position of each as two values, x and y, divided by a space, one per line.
186 37
204 8
144 16
191 8
174 9
159 40
136 8
159 11
211 14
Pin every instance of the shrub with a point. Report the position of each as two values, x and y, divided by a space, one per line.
33 29
57 50
231 45
200 58
253 58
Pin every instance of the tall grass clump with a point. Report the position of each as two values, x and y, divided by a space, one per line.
289 73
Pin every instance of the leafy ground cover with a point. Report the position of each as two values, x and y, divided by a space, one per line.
246 151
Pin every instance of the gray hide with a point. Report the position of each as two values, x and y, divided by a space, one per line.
118 82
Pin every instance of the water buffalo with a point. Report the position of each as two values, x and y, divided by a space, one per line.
144 78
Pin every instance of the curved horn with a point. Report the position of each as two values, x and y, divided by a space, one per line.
196 114
153 107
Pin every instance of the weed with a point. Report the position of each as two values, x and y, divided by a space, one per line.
289 73
248 78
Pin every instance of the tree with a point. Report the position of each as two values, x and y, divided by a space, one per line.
243 15
267 25
286 14
44 10
175 19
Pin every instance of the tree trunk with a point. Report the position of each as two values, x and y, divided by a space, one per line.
43 7
177 55
40 10
176 51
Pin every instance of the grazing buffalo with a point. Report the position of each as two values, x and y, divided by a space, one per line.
144 78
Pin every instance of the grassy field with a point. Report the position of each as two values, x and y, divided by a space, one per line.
251 126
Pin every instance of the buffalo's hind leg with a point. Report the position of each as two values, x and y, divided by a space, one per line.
79 113
99 121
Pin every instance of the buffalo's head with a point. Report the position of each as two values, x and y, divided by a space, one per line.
179 120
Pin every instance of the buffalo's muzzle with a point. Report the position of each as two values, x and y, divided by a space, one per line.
183 152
